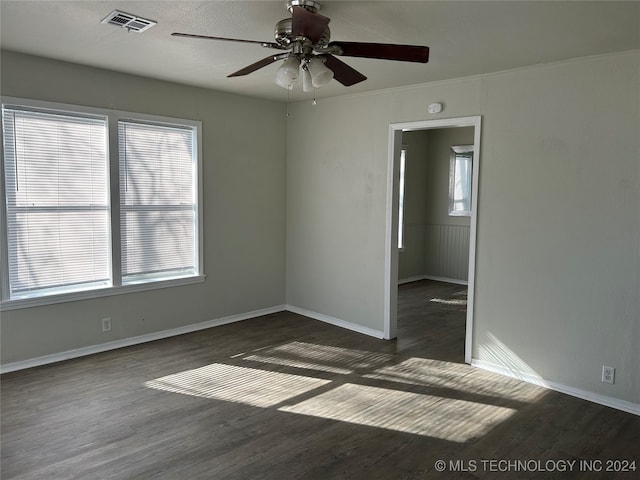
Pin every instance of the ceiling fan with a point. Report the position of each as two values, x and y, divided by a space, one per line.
305 39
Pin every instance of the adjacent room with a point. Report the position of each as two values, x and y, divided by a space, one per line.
395 239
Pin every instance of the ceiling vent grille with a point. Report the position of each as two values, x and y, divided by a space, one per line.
128 21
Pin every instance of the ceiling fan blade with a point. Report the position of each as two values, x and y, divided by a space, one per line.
207 37
308 24
342 72
384 51
258 65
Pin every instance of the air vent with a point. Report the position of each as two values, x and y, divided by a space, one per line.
128 21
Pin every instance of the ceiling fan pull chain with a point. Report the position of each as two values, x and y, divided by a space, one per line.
288 95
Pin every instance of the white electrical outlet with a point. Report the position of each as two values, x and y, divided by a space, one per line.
608 374
106 324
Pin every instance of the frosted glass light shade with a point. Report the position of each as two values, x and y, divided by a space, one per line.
287 74
320 75
307 82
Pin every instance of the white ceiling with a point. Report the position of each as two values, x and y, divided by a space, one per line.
465 37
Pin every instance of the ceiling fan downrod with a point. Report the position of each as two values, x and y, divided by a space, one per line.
309 5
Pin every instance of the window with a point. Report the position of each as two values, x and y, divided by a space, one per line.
460 173
403 162
57 202
84 221
157 201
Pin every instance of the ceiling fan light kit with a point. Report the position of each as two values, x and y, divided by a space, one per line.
320 75
287 74
307 82
306 39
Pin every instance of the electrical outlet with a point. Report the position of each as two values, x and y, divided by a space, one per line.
608 374
106 324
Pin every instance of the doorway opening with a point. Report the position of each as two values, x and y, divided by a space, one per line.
455 226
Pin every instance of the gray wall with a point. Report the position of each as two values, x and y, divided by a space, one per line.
436 244
557 277
557 282
244 209
417 196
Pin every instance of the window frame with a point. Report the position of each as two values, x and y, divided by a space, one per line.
467 152
113 117
401 197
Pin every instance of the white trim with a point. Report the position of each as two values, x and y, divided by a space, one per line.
391 257
112 116
390 290
150 337
98 293
335 321
456 281
127 342
417 278
97 111
473 232
605 400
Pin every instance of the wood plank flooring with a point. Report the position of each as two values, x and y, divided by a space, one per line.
286 397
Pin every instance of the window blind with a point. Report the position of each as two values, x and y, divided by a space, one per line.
57 201
462 183
403 162
157 201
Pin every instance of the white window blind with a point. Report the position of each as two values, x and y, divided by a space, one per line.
460 173
158 201
57 202
403 162
60 203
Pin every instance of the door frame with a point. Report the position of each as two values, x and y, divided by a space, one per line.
391 248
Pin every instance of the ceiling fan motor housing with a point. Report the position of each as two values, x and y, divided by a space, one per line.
283 35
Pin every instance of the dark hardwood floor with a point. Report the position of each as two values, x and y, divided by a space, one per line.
286 397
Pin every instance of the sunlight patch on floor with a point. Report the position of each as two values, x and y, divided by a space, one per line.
462 377
320 357
259 388
445 400
444 418
421 371
449 301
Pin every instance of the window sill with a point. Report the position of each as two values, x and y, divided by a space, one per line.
98 293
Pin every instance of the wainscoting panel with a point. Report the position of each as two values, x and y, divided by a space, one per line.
411 258
447 251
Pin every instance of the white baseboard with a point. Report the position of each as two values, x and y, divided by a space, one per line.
430 277
457 281
127 342
149 337
605 400
335 321
416 278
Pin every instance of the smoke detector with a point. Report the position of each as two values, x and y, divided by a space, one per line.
131 22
